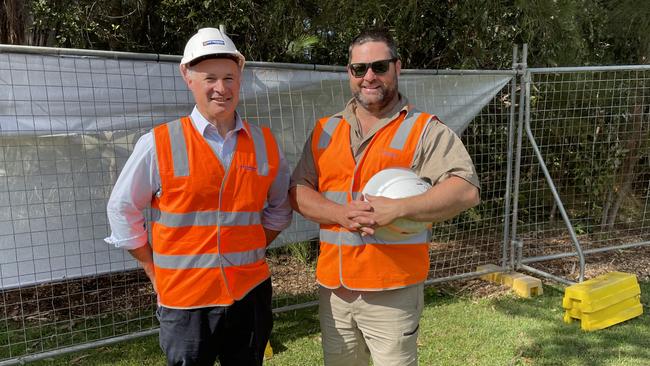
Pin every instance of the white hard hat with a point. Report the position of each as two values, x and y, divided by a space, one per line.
210 41
397 183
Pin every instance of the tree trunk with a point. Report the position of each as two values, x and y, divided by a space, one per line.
551 216
115 10
606 207
12 22
148 30
626 176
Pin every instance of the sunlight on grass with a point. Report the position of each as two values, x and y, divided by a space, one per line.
455 330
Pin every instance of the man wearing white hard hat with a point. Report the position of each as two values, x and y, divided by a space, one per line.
217 187
374 253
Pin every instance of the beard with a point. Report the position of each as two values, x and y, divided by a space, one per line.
385 96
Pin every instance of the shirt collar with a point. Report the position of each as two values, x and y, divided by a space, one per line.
348 112
201 123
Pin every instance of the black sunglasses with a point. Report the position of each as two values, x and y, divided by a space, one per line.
360 69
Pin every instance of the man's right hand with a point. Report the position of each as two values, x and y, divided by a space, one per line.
149 271
354 216
144 256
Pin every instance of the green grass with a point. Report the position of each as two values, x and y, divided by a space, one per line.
455 330
305 252
22 339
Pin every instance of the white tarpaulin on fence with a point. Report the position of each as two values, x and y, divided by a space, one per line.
68 124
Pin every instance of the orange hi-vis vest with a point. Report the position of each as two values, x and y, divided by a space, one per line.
347 258
208 241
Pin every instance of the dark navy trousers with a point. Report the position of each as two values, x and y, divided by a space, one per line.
236 334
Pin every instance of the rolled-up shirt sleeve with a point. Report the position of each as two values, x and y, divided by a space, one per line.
441 154
305 173
132 193
277 213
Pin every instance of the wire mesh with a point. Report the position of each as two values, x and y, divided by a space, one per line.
69 123
56 178
475 237
593 129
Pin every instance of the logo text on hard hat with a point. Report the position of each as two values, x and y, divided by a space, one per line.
214 41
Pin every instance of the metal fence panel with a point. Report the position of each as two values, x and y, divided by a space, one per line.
68 123
592 126
476 237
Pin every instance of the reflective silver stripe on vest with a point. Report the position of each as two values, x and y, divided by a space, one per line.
355 239
340 197
208 260
179 149
260 151
206 218
328 130
404 130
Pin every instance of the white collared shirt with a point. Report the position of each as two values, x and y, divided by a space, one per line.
140 180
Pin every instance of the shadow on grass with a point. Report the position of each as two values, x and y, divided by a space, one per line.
293 325
554 342
440 295
297 324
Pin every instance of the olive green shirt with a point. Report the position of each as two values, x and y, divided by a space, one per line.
439 153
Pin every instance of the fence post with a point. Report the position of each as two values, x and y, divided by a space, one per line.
511 137
515 202
549 180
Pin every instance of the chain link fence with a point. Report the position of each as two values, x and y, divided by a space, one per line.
69 122
591 129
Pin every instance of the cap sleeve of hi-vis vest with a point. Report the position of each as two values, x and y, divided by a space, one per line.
163 143
304 173
441 153
272 151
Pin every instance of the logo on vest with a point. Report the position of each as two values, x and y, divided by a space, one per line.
248 167
389 154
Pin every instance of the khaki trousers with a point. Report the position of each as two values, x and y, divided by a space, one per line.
358 324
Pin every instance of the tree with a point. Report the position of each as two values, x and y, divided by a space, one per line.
431 33
12 22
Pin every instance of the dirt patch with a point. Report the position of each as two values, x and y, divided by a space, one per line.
291 277
86 297
632 260
128 292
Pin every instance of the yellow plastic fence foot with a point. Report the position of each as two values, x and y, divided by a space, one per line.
495 276
268 351
523 285
603 301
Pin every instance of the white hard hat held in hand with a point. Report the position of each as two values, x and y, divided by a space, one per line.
397 183
210 43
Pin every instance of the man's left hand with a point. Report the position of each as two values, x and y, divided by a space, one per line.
384 211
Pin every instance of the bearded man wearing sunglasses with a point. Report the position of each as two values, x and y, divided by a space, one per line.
371 290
